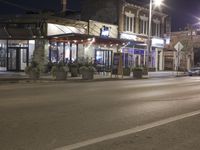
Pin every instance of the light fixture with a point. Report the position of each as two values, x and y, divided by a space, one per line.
157 2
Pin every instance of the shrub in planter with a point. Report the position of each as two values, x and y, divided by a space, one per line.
126 71
74 69
137 73
87 72
47 67
144 71
59 71
33 70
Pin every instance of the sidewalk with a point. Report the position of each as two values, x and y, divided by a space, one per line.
16 77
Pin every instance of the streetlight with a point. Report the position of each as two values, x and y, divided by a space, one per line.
156 3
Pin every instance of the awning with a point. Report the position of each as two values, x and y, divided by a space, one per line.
81 38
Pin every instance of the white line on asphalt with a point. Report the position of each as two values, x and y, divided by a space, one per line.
128 132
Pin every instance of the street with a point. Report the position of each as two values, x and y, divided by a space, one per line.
49 116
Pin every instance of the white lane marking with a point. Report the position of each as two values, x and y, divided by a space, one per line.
128 132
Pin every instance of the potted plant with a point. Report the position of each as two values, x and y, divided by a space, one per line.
137 72
87 72
126 71
48 67
59 71
144 71
74 69
33 70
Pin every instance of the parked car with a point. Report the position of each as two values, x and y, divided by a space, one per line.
194 71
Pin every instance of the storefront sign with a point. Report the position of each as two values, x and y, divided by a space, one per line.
156 42
128 36
104 31
133 51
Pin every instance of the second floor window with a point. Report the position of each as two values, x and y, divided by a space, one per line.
144 25
156 28
129 22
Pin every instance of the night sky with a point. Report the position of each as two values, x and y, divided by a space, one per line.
181 11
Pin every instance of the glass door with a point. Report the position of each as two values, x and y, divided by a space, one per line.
12 59
17 59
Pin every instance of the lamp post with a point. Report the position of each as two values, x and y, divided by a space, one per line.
156 3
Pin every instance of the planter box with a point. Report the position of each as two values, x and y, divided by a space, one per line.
126 71
137 74
87 75
74 72
60 75
144 71
34 75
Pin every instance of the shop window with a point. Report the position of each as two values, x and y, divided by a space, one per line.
31 50
74 52
60 51
3 48
17 43
53 52
103 60
67 52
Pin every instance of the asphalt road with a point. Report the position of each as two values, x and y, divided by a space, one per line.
46 116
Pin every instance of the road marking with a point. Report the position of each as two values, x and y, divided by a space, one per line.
128 132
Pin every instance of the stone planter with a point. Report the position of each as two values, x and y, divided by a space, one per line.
34 75
145 71
87 75
74 72
137 74
60 75
126 71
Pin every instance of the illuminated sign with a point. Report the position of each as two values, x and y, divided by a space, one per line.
105 31
156 42
128 36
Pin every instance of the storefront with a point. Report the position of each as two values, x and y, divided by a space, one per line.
97 45
157 54
72 48
15 55
53 39
135 50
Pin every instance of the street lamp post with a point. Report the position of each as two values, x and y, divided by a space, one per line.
156 3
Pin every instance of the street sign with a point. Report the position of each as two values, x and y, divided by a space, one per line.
179 46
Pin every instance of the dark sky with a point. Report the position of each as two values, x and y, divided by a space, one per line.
181 11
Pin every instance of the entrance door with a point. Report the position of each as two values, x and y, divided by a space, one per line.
17 59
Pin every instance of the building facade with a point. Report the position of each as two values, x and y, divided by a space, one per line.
108 28
28 38
188 56
133 21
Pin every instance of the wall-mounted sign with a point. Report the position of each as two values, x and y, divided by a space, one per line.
133 51
105 31
102 29
128 36
156 42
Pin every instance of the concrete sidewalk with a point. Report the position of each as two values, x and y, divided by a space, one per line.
21 76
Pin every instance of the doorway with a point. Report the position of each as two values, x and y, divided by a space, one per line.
17 58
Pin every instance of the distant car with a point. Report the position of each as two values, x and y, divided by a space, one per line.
195 71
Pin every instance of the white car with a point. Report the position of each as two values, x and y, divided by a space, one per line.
194 71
